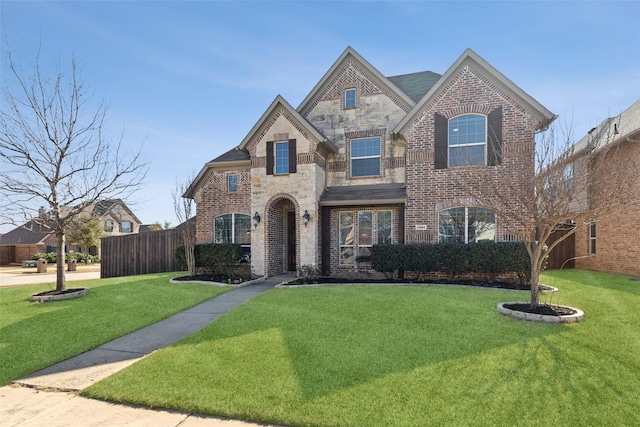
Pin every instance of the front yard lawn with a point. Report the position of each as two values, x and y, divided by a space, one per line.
35 335
356 355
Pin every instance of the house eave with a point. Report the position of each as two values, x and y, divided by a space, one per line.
370 202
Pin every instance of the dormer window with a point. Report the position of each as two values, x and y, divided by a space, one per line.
350 98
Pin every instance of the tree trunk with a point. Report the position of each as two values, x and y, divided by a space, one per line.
535 278
61 284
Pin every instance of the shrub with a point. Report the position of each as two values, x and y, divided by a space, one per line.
215 258
308 273
488 258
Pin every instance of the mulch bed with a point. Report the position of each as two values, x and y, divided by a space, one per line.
477 283
218 278
66 291
544 309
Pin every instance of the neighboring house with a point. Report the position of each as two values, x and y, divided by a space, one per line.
367 159
613 243
35 236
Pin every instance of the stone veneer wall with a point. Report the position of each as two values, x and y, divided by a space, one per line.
430 190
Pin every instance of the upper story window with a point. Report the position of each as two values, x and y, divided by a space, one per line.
466 225
281 157
108 225
365 157
350 98
126 227
468 140
232 183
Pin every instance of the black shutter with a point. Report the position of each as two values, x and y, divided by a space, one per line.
269 157
441 160
292 156
494 137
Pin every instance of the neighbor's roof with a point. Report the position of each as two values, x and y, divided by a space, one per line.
30 233
364 194
415 85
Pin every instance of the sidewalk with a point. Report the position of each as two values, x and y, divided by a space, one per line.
49 396
16 275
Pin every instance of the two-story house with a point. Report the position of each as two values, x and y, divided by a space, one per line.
367 159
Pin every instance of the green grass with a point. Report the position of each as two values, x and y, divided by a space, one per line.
354 356
35 335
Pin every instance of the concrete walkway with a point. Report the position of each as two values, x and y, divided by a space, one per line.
49 396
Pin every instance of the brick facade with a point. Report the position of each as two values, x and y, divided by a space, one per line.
321 131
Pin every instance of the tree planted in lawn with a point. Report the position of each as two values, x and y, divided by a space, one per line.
183 207
55 151
567 187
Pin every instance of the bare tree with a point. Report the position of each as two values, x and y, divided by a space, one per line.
54 150
183 207
567 187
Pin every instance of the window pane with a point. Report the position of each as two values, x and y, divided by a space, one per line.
365 167
451 227
346 255
384 227
222 229
365 147
467 156
233 183
365 228
349 98
482 225
242 229
282 157
108 226
125 227
467 129
346 228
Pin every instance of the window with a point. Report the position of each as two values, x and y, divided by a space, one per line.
108 225
347 239
365 232
232 228
126 227
466 225
592 238
350 98
384 227
232 183
467 140
357 233
365 157
567 176
281 156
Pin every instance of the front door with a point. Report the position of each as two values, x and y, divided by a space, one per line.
291 241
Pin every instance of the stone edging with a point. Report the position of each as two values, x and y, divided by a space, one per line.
224 285
532 317
59 297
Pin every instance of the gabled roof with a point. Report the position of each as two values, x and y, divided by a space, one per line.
280 102
103 207
364 194
469 57
30 233
351 54
415 85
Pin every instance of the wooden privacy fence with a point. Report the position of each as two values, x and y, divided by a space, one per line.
564 252
7 255
143 253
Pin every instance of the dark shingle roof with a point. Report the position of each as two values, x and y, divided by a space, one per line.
101 207
364 194
415 85
30 233
232 155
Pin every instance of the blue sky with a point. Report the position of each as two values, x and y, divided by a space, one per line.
190 79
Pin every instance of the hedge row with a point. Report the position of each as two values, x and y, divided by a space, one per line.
78 256
453 259
213 257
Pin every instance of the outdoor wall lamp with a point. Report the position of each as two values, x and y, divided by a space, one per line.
256 219
306 217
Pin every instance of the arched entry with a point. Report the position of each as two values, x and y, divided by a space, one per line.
282 242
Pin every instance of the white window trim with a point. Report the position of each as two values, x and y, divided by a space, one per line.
275 158
473 144
352 158
355 98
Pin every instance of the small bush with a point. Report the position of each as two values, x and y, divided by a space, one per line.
387 259
215 258
308 273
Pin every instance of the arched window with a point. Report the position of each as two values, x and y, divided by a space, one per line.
232 228
466 225
468 140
